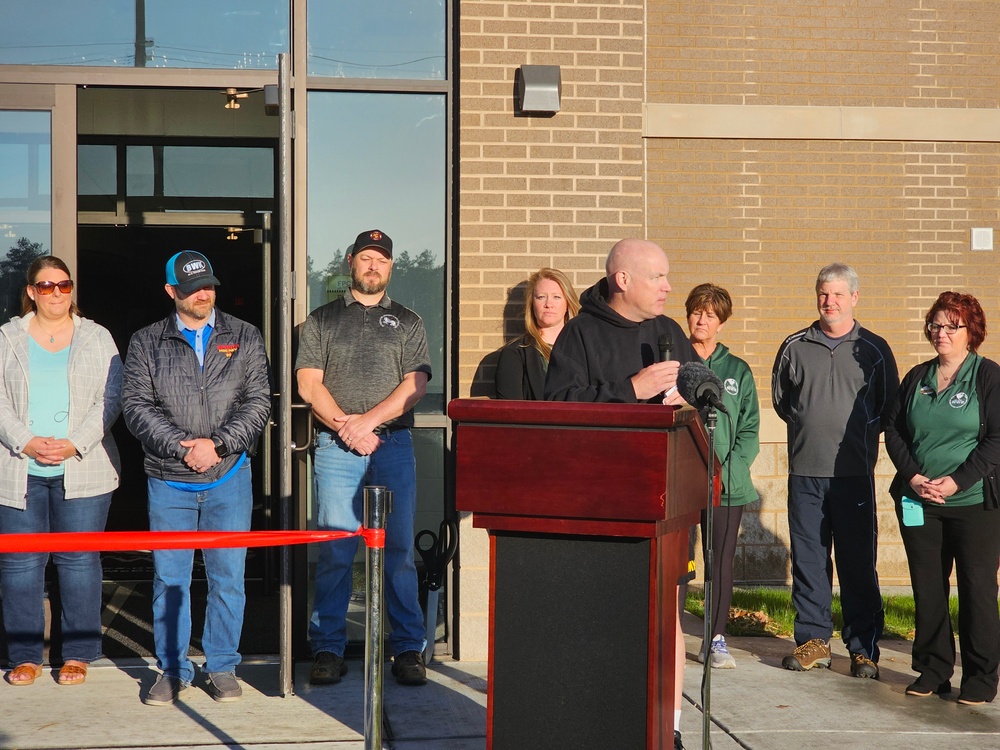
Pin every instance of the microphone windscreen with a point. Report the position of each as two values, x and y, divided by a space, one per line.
688 378
693 379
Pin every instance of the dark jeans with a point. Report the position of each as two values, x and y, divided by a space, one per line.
22 575
967 538
828 512
726 521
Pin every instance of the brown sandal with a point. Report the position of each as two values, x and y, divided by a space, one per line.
24 674
73 673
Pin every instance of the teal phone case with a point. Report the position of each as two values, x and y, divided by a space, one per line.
913 512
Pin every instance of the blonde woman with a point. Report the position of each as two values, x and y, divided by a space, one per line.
549 302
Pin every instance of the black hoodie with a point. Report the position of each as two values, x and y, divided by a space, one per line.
599 350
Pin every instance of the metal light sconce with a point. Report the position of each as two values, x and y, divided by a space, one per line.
538 90
233 96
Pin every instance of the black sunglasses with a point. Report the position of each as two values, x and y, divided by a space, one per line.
47 287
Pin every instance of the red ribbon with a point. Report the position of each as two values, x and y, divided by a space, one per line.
121 541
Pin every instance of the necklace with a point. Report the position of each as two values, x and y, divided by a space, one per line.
52 334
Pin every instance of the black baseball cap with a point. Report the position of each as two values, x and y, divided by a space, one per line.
189 271
373 238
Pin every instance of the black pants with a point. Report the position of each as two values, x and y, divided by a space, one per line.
967 538
826 513
725 531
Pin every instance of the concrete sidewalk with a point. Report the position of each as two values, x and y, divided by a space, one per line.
758 705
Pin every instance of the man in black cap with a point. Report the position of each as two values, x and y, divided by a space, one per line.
197 394
363 365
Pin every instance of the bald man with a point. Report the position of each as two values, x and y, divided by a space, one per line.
609 352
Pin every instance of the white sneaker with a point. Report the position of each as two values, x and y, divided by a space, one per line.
719 654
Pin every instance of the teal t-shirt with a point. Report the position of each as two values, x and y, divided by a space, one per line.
48 399
945 426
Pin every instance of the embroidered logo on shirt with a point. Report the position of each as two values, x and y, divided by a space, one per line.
958 400
731 386
389 321
228 349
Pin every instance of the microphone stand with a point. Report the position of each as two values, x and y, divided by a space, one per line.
710 424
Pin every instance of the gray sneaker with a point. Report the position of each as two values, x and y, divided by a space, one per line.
223 687
164 691
719 655
814 653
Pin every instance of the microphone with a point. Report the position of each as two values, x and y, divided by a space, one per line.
665 345
700 387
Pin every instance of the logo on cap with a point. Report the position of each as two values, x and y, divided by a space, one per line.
194 266
376 235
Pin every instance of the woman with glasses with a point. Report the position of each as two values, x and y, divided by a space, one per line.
58 467
943 435
549 302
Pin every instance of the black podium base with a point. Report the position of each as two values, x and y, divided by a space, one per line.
570 642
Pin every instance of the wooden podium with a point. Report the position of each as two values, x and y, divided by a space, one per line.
588 507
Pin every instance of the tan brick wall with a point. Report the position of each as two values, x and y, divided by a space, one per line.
539 191
890 53
757 214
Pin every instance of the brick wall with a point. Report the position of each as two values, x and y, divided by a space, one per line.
758 212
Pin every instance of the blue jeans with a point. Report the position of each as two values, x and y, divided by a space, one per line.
223 508
22 575
340 479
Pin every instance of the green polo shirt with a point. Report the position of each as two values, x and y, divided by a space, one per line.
945 426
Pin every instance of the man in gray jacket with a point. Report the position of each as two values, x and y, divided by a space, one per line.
196 394
832 384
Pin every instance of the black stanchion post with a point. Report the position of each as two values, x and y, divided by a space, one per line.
378 503
710 424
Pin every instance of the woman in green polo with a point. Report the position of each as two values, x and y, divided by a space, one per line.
943 435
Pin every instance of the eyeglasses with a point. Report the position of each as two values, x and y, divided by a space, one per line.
47 287
950 328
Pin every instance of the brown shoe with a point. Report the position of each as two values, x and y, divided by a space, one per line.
24 674
862 666
73 673
814 653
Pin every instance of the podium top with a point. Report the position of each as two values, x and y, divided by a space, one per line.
637 470
571 414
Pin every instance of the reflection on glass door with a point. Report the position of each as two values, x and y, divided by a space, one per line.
25 200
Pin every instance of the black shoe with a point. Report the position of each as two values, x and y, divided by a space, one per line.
920 690
327 669
409 668
164 691
223 687
678 745
862 666
967 699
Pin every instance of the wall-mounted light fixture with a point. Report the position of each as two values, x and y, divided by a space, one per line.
538 90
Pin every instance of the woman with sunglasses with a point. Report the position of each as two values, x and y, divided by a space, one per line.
943 435
58 467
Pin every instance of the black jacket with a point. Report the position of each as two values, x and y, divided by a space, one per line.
520 371
167 397
599 350
981 463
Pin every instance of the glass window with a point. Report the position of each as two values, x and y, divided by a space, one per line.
212 172
97 170
378 161
377 39
25 200
228 34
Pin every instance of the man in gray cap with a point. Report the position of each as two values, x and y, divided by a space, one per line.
363 365
197 394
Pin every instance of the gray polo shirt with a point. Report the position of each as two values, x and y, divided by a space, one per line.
364 352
